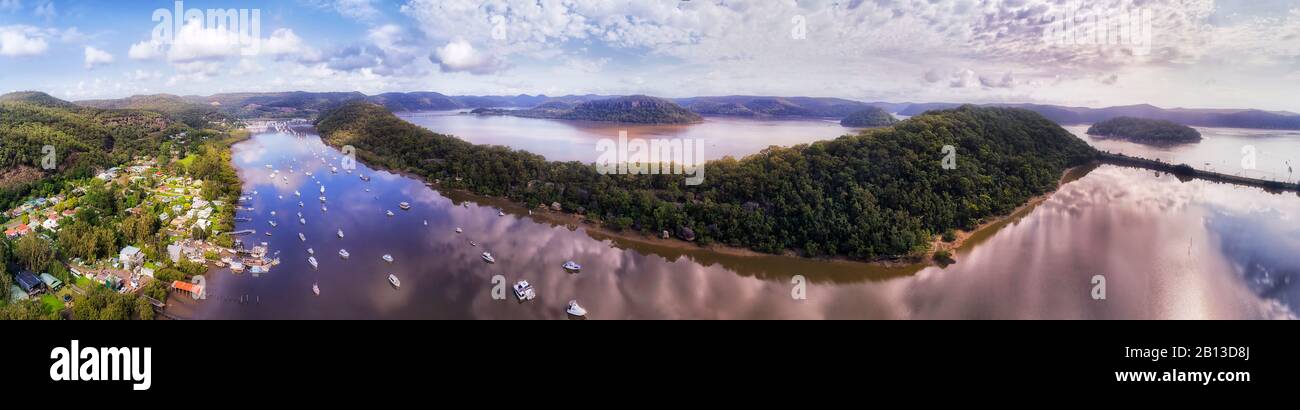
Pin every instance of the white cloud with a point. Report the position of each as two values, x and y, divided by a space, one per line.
19 41
144 76
363 10
96 57
145 50
459 55
195 42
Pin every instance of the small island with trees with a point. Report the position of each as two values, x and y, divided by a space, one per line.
1147 131
637 109
869 117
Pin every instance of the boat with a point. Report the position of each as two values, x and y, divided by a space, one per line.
406 206
302 221
524 291
322 199
344 253
466 204
389 213
296 193
388 258
322 189
300 204
303 237
474 244
502 213
273 224
311 251
315 288
572 266
280 197
312 261
367 189
426 222
365 178
334 170
272 213
324 209
340 233
268 233
393 280
488 257
458 230
575 309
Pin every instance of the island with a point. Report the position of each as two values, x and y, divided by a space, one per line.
1146 131
868 117
880 195
637 109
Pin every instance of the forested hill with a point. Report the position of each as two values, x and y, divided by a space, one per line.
85 140
879 194
868 117
1145 130
637 109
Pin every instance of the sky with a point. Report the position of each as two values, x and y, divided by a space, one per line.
1176 53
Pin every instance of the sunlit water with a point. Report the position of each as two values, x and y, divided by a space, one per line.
1165 248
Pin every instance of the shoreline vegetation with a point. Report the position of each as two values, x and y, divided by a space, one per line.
880 196
120 175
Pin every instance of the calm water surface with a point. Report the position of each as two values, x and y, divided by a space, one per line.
1167 248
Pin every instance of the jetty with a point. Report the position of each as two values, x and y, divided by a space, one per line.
1184 170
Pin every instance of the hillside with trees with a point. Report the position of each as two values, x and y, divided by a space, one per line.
868 117
879 194
1145 131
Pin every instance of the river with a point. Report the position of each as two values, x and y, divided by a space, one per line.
1165 248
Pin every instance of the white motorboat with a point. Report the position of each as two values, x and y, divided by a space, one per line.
572 266
340 233
344 253
393 280
300 204
488 258
312 261
296 193
315 288
273 224
458 230
474 244
406 206
389 213
388 258
303 237
302 221
524 291
502 213
311 251
322 199
575 309
426 222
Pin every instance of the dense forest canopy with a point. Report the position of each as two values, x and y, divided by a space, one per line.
868 117
878 194
1145 130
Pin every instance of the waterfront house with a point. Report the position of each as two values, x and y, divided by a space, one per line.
130 257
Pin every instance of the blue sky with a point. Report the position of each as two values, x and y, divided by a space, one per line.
1201 53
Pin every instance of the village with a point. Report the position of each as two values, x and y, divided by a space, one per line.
192 234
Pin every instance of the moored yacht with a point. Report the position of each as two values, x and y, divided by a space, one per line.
524 291
303 237
315 288
389 213
393 280
340 233
406 206
488 258
572 266
312 261
388 258
344 253
575 309
458 230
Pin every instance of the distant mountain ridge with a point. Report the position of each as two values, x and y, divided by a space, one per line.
299 104
637 109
